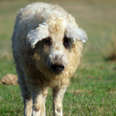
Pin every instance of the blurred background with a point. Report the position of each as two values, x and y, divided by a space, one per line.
93 88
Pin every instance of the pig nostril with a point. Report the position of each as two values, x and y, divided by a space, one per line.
57 68
56 57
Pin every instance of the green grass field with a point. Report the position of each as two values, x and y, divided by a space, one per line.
93 89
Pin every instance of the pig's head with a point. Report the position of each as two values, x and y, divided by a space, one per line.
57 46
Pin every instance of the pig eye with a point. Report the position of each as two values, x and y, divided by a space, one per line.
47 41
67 42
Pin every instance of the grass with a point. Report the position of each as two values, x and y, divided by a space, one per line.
93 89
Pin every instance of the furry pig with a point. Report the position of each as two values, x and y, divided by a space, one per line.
47 45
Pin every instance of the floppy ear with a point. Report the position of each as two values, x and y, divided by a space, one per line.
37 34
76 33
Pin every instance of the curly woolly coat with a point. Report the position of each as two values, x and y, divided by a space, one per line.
47 45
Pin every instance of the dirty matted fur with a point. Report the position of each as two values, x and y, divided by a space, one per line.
47 45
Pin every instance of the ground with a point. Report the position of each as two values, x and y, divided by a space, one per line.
93 88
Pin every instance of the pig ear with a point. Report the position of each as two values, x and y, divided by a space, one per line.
82 35
37 34
76 33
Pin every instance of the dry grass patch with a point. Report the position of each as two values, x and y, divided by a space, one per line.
79 91
110 50
9 79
